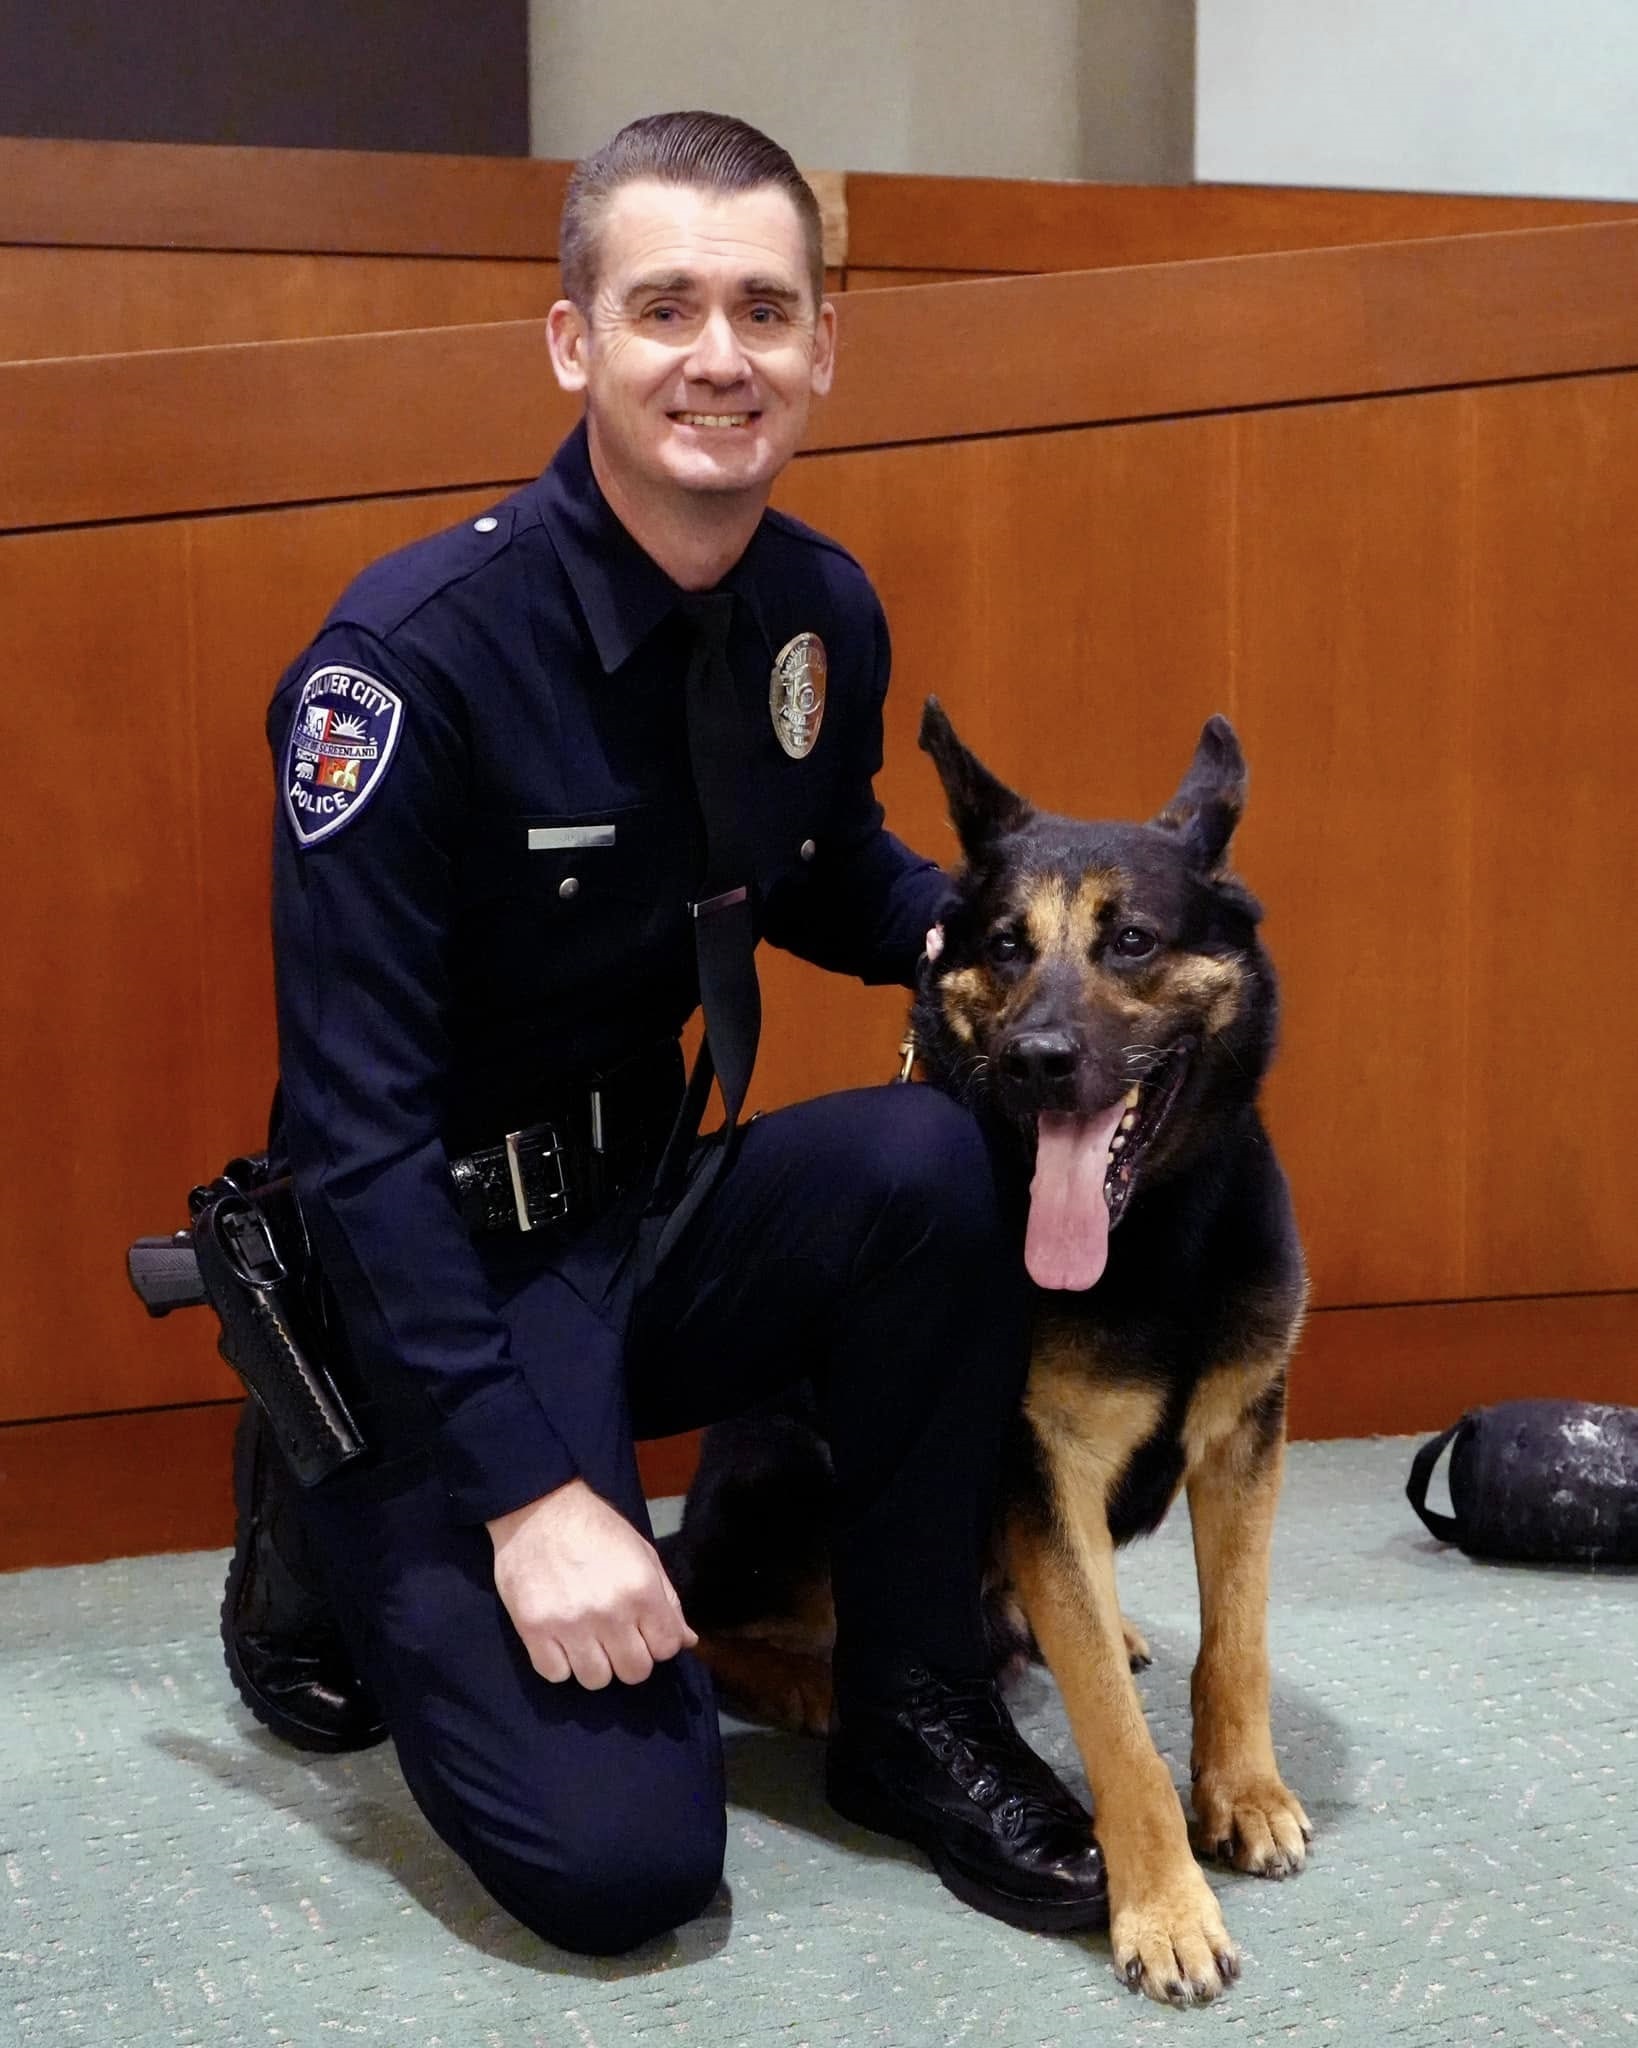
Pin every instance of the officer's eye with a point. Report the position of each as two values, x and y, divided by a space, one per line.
767 316
1002 947
1134 943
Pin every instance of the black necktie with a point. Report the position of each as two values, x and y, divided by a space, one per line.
724 930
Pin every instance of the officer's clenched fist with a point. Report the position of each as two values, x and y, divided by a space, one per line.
587 1594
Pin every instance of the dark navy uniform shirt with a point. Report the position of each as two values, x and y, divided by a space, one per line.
486 849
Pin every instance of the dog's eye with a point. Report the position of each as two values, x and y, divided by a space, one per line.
1134 943
1003 946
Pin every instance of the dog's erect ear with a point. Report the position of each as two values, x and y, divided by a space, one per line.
982 808
1207 806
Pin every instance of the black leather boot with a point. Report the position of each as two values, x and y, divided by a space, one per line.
285 1653
937 1762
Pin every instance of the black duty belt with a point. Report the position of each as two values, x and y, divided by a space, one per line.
593 1142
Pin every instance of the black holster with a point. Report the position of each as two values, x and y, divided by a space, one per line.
279 1333
1537 1482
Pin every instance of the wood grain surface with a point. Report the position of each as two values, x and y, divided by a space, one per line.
1082 602
110 246
363 415
80 302
136 1019
1353 660
1550 1077
1340 580
155 195
1417 604
101 1486
863 278
360 202
147 195
1417 1367
1011 224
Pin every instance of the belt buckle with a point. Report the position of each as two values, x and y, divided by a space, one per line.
539 1144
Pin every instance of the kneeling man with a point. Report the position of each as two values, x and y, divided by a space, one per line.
544 781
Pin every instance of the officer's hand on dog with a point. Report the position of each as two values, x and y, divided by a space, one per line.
586 1593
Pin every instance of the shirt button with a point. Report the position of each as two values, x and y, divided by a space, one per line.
485 525
569 886
807 849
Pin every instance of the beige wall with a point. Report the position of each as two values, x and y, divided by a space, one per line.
1041 89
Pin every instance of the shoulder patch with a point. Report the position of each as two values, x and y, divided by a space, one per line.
341 739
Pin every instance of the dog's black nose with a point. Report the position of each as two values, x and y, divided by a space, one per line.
1038 1058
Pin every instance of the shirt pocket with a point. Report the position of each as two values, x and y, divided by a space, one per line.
586 893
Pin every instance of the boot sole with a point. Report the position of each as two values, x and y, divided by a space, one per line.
1034 1916
276 1720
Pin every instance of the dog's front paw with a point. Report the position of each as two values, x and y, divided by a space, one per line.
1250 1821
1170 1942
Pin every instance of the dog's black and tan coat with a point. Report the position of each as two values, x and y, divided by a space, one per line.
1102 996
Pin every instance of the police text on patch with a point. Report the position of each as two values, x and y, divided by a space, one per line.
341 738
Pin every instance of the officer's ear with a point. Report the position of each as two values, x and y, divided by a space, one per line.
824 350
568 336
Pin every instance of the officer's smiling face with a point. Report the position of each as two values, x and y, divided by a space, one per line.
703 347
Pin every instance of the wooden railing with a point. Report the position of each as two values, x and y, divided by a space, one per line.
107 247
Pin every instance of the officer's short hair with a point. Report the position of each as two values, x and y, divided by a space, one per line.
711 152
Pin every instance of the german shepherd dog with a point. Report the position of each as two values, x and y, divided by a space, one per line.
1103 1001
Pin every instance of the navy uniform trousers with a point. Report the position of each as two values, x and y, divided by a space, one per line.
858 1239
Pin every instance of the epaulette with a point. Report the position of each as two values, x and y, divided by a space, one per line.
382 597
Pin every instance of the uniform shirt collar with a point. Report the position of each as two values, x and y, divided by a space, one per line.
623 593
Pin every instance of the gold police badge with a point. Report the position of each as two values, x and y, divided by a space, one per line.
796 694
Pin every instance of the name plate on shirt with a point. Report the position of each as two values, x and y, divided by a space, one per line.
559 838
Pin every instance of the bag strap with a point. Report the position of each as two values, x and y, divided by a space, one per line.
1445 1527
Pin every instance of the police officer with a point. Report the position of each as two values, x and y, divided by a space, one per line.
505 786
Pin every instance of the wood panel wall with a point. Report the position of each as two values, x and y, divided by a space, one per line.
399 413
108 247
117 246
914 229
140 195
78 302
1398 559
1382 602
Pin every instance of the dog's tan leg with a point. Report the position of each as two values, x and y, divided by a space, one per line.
1243 1811
1168 1935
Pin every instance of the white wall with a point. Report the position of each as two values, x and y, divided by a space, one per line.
1520 96
1034 89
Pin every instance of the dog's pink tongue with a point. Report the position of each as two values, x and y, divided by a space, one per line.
1067 1243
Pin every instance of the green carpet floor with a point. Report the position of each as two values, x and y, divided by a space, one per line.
1465 1738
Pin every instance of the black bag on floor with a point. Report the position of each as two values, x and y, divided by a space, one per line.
1537 1482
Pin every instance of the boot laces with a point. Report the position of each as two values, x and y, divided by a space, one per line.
961 1719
